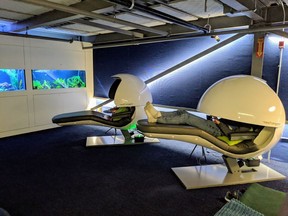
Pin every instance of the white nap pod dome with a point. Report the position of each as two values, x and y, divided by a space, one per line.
129 91
246 99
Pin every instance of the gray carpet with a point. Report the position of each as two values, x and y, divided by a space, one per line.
51 173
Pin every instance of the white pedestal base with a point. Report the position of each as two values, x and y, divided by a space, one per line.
205 176
115 140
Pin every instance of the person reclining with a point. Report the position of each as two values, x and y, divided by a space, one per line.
212 125
181 116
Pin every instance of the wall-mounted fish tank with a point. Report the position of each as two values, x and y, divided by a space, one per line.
12 80
58 79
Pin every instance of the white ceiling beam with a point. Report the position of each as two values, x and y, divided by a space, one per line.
98 25
56 17
92 15
244 8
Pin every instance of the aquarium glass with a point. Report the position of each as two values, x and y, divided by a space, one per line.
58 79
12 80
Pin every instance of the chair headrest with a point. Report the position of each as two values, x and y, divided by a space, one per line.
113 89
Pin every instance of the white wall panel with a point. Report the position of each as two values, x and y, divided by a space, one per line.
11 57
13 113
47 106
75 101
56 59
8 40
31 110
57 44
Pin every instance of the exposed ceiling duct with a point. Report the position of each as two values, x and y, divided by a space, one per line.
270 29
89 14
148 10
112 22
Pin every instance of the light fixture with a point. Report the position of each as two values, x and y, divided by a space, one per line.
208 26
216 37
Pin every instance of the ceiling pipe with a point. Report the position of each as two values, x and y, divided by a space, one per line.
161 15
37 37
280 33
183 36
77 11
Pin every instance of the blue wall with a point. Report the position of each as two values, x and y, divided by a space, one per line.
270 68
184 87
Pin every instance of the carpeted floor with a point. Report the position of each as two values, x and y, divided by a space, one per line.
52 173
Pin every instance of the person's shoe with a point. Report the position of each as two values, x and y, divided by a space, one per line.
228 197
150 118
150 108
233 195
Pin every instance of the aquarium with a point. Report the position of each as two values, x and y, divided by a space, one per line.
12 80
58 79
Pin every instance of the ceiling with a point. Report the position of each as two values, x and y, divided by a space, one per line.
121 22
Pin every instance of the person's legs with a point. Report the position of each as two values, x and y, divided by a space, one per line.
184 117
174 117
180 117
206 125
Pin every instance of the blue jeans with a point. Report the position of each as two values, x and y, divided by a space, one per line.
183 117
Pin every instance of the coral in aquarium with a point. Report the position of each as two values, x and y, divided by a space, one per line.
37 84
4 86
46 84
75 82
12 79
20 84
60 83
58 79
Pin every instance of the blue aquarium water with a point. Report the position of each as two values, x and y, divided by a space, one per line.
56 79
12 80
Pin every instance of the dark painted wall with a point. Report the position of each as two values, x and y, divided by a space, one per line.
283 90
184 87
271 68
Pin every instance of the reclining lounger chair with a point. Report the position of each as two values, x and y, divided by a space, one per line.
127 91
233 98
